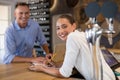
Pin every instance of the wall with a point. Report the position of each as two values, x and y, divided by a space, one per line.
59 7
11 3
71 7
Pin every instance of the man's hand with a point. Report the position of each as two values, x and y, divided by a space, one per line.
48 56
38 59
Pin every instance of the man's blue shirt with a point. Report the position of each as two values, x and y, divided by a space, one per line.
20 41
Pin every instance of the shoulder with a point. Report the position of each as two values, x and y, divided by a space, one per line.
30 21
11 27
76 34
77 37
33 24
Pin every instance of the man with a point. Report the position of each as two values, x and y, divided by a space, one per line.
21 35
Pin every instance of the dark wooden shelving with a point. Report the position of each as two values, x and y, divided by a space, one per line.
40 12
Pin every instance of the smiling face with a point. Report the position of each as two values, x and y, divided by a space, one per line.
64 27
22 15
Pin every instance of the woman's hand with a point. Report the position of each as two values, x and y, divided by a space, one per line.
44 68
37 67
38 59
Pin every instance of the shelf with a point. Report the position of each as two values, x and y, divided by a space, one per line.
38 16
40 12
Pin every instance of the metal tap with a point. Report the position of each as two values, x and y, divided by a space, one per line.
92 34
110 30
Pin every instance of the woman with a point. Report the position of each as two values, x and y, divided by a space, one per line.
77 53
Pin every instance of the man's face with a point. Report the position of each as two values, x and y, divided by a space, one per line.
22 15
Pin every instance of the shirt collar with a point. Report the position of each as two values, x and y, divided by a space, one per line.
17 27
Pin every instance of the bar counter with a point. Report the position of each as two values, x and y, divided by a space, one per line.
20 71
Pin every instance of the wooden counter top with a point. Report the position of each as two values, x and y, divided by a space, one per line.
116 51
20 71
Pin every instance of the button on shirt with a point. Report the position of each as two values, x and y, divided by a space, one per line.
20 41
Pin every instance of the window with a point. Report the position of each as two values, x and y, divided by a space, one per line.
4 22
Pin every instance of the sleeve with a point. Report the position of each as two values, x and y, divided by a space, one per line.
9 48
72 51
41 37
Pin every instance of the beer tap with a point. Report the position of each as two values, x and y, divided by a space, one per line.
94 33
110 30
109 10
92 10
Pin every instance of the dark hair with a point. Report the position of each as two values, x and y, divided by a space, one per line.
68 17
21 4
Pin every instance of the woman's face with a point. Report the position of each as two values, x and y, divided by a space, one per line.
64 27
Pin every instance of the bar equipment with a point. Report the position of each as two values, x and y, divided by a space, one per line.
109 10
92 10
93 34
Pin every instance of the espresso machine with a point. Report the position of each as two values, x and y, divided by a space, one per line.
94 32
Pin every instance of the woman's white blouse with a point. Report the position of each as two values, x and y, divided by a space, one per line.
78 55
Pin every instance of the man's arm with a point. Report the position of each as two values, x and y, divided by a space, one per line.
24 59
45 47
